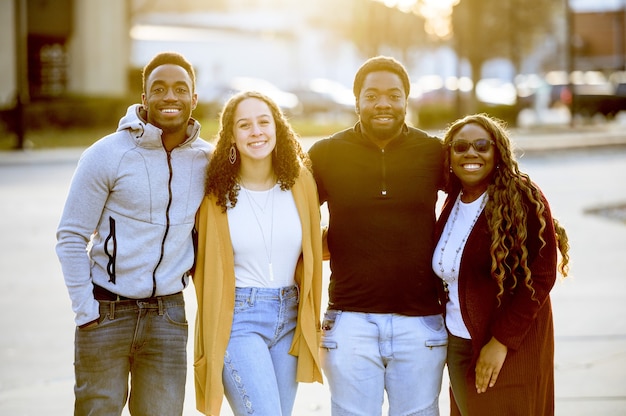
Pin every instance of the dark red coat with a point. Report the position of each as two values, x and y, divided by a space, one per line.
525 385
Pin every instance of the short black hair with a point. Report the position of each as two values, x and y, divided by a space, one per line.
165 58
380 63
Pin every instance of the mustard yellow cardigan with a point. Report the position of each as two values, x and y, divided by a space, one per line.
214 281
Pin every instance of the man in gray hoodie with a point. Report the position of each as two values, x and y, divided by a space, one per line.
125 243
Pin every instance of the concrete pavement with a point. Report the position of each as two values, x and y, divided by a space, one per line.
36 323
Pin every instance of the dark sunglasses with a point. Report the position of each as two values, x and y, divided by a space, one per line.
480 145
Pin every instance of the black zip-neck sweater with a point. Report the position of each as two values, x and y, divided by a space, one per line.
382 216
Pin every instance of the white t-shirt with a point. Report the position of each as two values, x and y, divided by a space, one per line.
266 233
461 227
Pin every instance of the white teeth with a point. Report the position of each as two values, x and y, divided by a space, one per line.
169 110
257 144
471 166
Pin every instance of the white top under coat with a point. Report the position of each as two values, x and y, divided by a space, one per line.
277 214
466 215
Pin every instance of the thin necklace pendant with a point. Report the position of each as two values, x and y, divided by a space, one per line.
463 241
268 250
262 207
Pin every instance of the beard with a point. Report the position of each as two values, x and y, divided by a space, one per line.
383 130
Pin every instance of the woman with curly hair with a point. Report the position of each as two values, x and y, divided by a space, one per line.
258 274
497 257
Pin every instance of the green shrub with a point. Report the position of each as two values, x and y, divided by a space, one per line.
507 113
434 116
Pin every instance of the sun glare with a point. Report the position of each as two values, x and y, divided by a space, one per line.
436 13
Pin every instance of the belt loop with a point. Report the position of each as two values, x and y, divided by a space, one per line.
160 301
252 298
112 310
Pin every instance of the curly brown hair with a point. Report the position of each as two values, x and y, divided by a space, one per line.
505 207
287 158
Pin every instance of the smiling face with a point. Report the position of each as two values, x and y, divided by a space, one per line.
381 105
254 130
169 98
474 169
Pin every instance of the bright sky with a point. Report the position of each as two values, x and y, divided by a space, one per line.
596 5
436 12
583 5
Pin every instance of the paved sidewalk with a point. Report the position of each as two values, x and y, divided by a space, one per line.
36 323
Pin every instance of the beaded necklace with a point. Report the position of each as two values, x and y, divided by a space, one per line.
463 241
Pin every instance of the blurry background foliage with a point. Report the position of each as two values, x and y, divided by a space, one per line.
479 31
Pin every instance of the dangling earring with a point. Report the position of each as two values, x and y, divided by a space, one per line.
232 154
450 169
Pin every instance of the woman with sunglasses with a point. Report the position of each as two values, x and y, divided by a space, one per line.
497 256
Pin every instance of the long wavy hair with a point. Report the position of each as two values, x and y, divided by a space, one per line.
505 211
287 157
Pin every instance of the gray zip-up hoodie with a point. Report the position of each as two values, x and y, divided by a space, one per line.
129 215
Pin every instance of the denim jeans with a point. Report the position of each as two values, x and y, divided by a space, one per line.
365 354
259 373
146 340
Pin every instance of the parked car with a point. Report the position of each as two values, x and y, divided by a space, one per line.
321 96
215 96
494 91
590 93
433 100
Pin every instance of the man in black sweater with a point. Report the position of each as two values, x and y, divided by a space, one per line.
383 330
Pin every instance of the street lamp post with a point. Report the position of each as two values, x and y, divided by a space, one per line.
570 58
21 96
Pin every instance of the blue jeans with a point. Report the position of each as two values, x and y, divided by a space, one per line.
146 340
259 374
365 354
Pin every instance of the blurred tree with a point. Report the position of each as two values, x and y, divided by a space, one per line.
371 26
486 29
374 28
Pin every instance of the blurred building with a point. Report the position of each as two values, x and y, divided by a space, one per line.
95 48
599 35
276 40
63 47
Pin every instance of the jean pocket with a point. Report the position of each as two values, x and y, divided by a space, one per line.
330 321
436 343
241 304
328 344
435 323
91 327
176 315
329 324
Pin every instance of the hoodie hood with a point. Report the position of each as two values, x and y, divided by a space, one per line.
147 135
